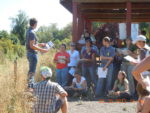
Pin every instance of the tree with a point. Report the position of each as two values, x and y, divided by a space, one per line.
19 26
67 31
97 25
4 34
52 32
146 27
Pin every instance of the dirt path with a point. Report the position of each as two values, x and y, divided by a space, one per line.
97 107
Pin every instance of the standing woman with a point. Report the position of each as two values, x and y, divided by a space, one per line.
62 58
88 62
74 58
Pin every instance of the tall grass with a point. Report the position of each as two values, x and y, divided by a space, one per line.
13 85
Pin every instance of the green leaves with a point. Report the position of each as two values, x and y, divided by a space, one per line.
20 25
53 33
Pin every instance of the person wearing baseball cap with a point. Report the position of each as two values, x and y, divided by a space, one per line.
50 95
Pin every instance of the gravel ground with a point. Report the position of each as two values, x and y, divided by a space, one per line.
100 107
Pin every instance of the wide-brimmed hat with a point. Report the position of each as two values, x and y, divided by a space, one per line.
139 38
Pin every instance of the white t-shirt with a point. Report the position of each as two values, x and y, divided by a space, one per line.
82 40
74 57
79 84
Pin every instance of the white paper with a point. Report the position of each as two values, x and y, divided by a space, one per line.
49 45
131 59
101 73
72 71
123 51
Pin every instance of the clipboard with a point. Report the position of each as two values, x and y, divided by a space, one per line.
49 45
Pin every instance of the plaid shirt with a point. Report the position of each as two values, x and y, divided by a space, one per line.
45 92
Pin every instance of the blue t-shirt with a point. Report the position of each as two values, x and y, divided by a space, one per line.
88 56
94 47
30 35
107 52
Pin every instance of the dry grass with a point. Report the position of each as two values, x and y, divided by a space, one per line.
13 86
15 99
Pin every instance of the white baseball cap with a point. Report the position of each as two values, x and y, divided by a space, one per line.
46 72
139 38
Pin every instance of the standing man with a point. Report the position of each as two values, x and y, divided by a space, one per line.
32 47
107 54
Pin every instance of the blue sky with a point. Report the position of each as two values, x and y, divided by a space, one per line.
46 12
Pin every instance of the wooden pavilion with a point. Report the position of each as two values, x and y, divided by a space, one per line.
87 11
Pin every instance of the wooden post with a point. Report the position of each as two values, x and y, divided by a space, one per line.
128 19
15 72
75 22
89 25
80 26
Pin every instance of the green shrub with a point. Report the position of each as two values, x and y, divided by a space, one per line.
10 50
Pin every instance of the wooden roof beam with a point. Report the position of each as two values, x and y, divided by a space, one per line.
84 6
119 20
141 5
104 11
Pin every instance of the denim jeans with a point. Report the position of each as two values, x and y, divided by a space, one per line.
90 74
33 59
105 84
127 67
61 76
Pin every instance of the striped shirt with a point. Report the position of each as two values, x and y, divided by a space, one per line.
45 93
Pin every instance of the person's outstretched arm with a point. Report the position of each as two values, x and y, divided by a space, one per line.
141 67
36 47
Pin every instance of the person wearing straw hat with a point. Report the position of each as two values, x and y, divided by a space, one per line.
50 95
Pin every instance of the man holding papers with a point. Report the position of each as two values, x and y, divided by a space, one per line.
107 54
32 46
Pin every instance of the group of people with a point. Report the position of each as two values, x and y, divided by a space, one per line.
77 71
